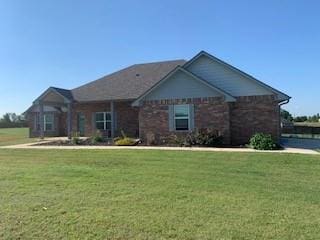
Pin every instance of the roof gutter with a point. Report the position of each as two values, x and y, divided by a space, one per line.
284 102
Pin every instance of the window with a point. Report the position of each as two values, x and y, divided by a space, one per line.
181 117
103 120
48 122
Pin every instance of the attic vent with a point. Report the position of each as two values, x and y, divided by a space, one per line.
137 75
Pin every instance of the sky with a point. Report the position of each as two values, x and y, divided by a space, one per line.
66 43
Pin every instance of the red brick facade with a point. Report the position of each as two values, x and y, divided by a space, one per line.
58 130
208 112
254 114
237 121
126 117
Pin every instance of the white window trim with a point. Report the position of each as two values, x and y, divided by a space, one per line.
175 118
105 120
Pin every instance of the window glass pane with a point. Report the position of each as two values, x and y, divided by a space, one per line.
99 116
100 125
48 122
182 124
109 125
49 127
49 118
108 116
181 111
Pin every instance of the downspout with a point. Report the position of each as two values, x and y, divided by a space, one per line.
280 104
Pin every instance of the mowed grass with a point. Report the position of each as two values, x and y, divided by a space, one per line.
11 136
144 194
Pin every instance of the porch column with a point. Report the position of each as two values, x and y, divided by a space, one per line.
69 121
112 118
41 120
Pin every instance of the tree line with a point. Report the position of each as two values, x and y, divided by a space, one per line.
288 116
12 120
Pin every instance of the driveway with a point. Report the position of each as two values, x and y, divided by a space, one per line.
310 144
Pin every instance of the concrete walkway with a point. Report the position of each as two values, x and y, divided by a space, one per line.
34 146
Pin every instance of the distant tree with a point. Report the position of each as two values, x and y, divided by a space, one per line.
301 119
12 120
6 118
286 115
314 118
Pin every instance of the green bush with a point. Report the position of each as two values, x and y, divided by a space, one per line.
261 141
174 140
97 138
204 137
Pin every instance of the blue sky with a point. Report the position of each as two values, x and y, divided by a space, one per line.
67 43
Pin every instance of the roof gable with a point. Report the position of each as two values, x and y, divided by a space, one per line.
229 78
182 84
53 94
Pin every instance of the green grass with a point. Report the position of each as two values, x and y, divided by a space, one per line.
125 194
11 136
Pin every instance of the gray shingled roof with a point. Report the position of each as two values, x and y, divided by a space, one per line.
64 92
128 83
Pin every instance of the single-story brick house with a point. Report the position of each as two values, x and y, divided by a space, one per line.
161 99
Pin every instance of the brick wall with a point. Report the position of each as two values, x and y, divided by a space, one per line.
214 114
33 132
253 114
209 112
126 117
236 121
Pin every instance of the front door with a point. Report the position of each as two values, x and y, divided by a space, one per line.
81 122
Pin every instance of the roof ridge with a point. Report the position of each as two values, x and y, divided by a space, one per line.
157 62
60 88
102 78
126 68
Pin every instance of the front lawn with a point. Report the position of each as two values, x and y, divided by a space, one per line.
11 136
144 194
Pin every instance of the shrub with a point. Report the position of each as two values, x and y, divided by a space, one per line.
173 139
262 141
205 137
76 138
97 138
123 140
126 142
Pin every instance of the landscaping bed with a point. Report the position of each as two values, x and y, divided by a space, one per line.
81 142
203 138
